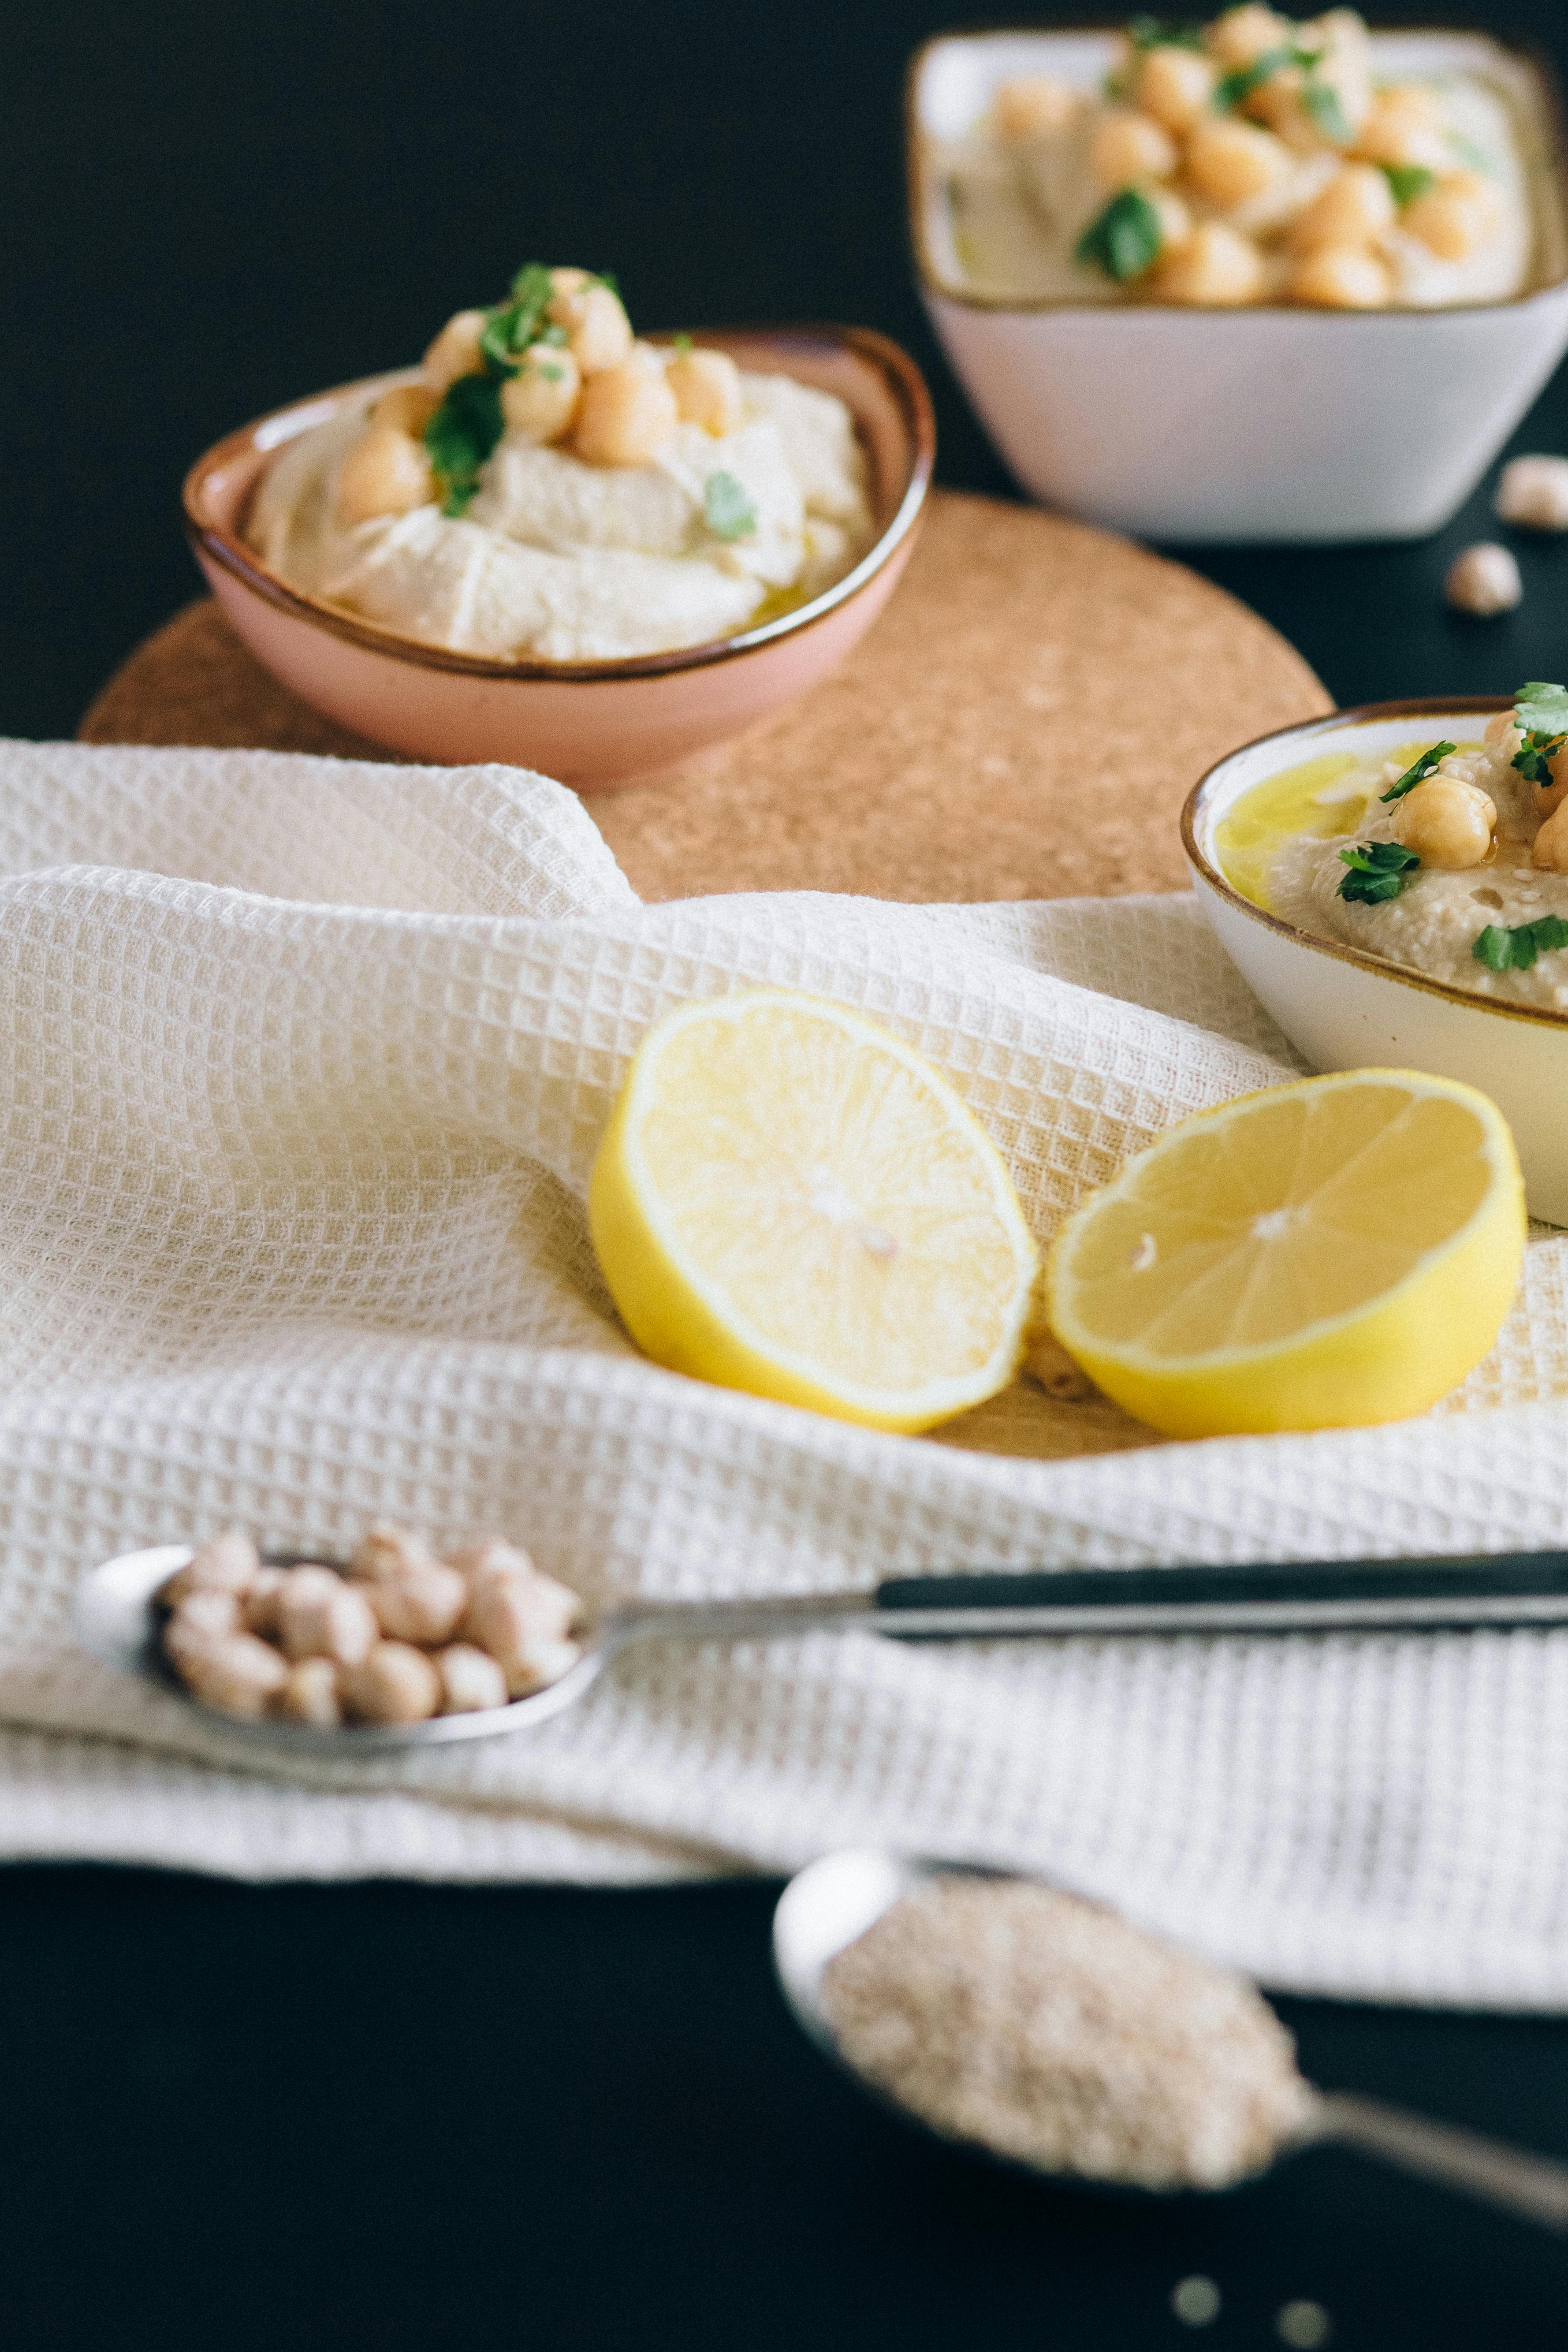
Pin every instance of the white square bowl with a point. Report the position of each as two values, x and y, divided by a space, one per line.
1264 424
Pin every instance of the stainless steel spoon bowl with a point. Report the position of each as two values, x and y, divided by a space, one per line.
832 1902
116 1620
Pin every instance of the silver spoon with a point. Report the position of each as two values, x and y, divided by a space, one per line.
832 1902
115 1619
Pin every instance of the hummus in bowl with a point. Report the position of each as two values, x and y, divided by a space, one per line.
1385 879
548 484
595 594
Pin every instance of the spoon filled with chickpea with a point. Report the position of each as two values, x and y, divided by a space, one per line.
402 1648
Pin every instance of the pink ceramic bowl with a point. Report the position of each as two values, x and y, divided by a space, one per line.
593 724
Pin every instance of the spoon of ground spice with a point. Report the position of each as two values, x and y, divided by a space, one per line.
1028 2021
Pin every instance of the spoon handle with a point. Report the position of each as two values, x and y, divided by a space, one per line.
1533 2187
1266 1596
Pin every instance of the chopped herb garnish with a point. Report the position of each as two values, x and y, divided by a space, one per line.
1322 100
1419 773
1514 947
1241 84
680 345
549 371
511 326
1541 713
461 436
1538 704
1469 152
1124 240
1150 33
1408 180
607 278
1378 870
727 508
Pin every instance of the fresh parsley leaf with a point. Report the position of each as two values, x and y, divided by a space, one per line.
461 436
1149 33
1322 100
1236 86
607 278
532 285
1408 180
680 345
1124 240
1533 756
1378 870
1419 773
1540 704
512 325
727 507
1515 947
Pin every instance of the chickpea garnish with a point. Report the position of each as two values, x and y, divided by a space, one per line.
1244 35
1455 216
1342 277
1356 206
1448 824
406 408
1550 850
626 414
1227 162
1033 107
1174 86
707 388
540 400
456 349
385 473
1127 147
1404 125
1216 267
598 332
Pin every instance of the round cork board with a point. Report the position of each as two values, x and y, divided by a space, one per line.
1024 722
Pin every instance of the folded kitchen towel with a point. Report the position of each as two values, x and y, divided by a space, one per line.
307 1064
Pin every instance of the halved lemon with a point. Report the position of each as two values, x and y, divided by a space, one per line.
787 1200
1337 1251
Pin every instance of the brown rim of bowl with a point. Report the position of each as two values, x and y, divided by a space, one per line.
1526 52
1449 706
900 373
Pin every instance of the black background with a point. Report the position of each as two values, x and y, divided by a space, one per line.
396 2116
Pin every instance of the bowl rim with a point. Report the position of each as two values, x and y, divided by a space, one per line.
931 282
1449 706
226 549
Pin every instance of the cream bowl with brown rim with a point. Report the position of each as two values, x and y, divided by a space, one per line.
593 724
1343 1009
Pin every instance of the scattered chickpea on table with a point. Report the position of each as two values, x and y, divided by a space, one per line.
400 1637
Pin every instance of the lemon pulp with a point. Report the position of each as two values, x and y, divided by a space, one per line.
1337 1251
790 1200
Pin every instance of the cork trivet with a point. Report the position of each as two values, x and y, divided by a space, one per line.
1023 722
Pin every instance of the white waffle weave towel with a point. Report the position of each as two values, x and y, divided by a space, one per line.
307 1064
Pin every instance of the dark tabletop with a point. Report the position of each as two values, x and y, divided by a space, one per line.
394 2116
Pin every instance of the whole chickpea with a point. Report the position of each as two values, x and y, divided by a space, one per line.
310 1694
626 414
540 400
406 408
1448 825
228 1562
1035 106
598 328
1550 850
1547 799
393 1683
1217 267
1342 277
385 473
1174 218
1244 35
1127 147
1404 125
1227 162
1174 86
707 388
1354 208
456 350
1455 216
1502 730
